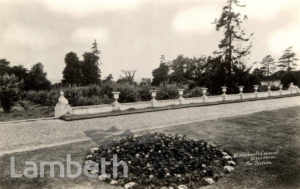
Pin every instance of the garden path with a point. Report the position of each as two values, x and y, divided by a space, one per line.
23 136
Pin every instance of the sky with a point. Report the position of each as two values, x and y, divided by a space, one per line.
133 34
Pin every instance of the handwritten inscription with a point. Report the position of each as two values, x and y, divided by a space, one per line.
258 158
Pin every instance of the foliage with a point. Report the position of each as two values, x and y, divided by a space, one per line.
161 74
167 92
144 92
4 67
95 49
84 101
194 92
277 75
90 69
216 77
230 22
287 60
289 77
128 93
37 79
9 91
163 160
72 72
45 98
128 77
268 66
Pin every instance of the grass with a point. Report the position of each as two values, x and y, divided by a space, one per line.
270 131
32 111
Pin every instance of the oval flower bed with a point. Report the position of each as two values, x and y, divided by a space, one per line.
164 161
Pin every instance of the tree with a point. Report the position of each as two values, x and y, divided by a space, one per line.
108 78
4 66
230 46
287 60
96 51
95 48
20 72
90 69
9 91
161 74
268 66
37 78
72 71
128 77
187 70
258 72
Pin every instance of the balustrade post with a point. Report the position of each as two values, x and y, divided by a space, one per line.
153 100
224 89
241 89
204 90
280 89
116 105
181 99
269 90
255 90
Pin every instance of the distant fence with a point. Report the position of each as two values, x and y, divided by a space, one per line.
63 107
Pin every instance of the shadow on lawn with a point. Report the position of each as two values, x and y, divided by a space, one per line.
101 137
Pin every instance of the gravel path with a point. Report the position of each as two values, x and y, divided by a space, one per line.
31 135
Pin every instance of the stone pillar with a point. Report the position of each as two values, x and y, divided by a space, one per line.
269 90
181 99
153 101
291 86
116 105
62 107
224 89
241 89
204 90
280 89
255 90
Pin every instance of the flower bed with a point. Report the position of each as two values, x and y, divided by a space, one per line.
164 161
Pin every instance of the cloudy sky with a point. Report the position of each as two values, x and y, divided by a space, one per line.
132 34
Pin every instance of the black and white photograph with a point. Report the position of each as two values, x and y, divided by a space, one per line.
149 94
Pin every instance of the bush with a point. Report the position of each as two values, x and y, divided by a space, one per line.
45 98
195 92
85 101
107 89
9 91
144 92
289 77
72 94
128 93
91 90
167 92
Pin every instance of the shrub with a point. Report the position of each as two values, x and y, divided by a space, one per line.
25 104
85 101
107 89
167 92
144 92
9 91
128 93
72 94
106 100
52 98
91 90
289 77
195 92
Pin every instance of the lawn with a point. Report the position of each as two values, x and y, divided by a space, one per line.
29 110
273 136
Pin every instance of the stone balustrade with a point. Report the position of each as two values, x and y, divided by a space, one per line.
63 107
